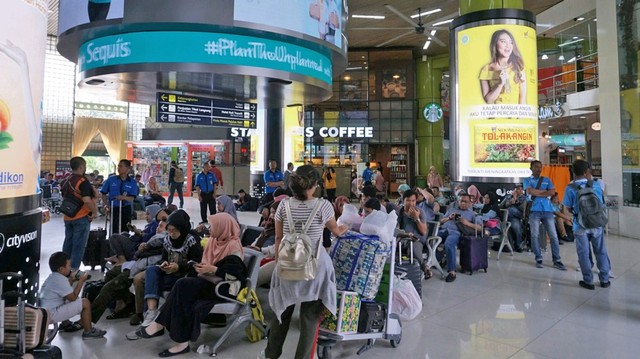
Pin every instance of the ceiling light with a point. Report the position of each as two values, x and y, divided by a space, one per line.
432 33
580 18
396 76
571 60
442 22
375 17
561 57
354 68
426 45
426 13
347 78
583 116
544 57
595 20
570 42
575 37
596 126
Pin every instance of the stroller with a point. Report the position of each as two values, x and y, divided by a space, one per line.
51 198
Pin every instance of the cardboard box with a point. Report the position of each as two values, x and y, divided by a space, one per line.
348 314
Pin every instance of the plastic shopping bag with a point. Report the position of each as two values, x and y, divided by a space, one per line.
406 301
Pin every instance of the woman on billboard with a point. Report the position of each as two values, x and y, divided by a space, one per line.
502 81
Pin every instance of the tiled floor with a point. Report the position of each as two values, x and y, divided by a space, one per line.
513 311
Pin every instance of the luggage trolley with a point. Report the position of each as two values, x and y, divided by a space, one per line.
392 327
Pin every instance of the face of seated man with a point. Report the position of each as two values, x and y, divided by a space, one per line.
464 203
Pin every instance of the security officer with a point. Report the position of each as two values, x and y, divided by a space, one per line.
121 190
206 186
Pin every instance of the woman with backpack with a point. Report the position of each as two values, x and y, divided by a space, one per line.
315 294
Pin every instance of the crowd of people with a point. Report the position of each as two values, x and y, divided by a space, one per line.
167 255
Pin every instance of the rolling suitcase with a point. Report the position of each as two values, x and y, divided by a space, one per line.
97 249
411 268
474 253
23 328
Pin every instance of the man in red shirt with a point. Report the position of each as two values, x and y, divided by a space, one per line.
216 172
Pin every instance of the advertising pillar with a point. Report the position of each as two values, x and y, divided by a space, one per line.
494 96
23 28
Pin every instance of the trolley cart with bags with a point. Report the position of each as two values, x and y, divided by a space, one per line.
379 323
23 327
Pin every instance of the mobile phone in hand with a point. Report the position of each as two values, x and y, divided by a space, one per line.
192 263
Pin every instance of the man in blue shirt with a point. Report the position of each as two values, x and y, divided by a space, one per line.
513 203
273 179
118 193
367 175
451 234
413 220
586 236
542 210
206 187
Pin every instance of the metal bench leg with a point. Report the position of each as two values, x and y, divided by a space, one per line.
432 246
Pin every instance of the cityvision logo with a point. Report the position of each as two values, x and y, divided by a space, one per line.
7 178
17 240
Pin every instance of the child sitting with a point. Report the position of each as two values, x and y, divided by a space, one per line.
61 299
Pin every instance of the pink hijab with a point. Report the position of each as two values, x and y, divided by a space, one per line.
224 238
475 192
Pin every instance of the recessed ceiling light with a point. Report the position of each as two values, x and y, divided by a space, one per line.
575 37
426 13
374 17
426 45
544 57
580 18
432 33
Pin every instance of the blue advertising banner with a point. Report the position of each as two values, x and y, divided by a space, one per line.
204 48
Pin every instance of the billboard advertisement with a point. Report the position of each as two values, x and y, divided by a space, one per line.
79 12
498 102
321 19
23 29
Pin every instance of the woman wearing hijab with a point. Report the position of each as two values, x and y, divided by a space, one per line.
226 205
491 213
312 295
179 247
192 298
433 178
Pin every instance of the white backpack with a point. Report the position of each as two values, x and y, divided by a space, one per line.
296 257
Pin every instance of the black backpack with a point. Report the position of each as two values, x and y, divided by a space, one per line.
591 212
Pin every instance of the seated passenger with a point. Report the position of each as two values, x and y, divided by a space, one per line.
192 298
180 246
371 205
514 203
387 204
413 220
451 234
124 246
490 212
225 204
563 220
403 187
62 301
440 198
244 201
427 203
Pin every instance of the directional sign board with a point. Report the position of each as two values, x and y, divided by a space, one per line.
205 111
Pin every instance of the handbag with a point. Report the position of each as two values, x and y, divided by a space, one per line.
71 205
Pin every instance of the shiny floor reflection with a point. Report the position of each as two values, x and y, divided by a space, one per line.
512 311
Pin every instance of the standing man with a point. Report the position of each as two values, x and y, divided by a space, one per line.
118 192
76 228
216 172
287 175
367 175
539 189
587 236
273 179
206 187
176 181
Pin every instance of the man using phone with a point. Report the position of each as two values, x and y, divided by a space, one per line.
413 220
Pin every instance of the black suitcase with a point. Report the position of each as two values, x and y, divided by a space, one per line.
372 317
474 253
410 268
97 249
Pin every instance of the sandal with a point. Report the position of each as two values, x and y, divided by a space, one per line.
142 333
428 274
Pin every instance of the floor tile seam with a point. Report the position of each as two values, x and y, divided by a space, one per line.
534 352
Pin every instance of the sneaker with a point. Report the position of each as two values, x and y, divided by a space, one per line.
559 265
605 284
450 277
539 264
586 285
262 355
149 317
611 275
94 333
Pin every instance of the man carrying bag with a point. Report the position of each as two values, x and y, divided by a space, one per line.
79 209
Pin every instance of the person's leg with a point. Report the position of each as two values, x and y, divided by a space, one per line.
121 247
172 191
550 226
562 232
85 315
516 227
600 251
212 204
127 212
203 209
139 281
153 277
278 333
450 247
81 228
309 317
180 195
534 230
582 250
67 245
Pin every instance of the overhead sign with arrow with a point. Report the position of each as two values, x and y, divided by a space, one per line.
192 110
